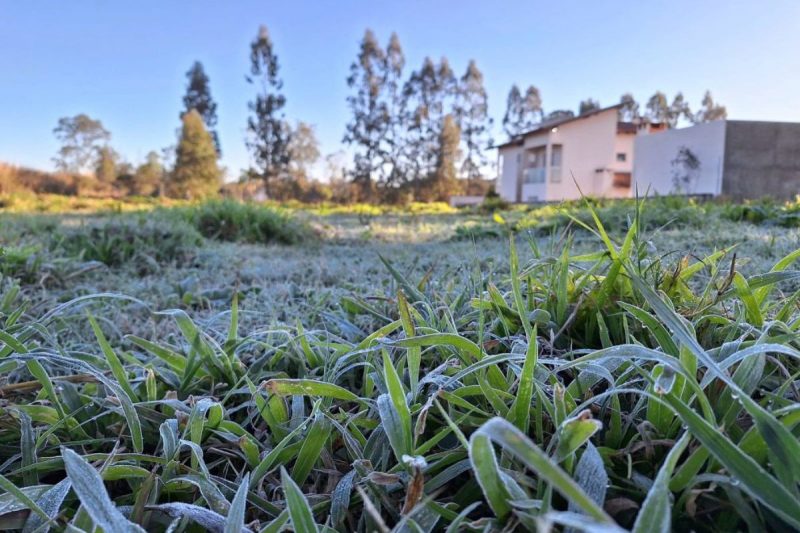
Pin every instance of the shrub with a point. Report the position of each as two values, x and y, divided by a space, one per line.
228 220
22 263
142 241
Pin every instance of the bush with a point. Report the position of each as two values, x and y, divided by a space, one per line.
228 220
144 242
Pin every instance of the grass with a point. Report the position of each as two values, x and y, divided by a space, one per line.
580 374
228 220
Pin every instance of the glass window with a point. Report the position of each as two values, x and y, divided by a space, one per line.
556 155
622 157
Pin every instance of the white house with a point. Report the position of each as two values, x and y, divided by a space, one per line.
590 154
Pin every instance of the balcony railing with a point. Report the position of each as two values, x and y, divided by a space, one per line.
535 175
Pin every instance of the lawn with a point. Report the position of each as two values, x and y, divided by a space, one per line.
232 367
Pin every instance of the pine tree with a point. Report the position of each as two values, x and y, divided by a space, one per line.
523 113
370 122
710 110
269 134
196 174
444 181
198 97
472 113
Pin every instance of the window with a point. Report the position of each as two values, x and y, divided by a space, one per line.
622 180
622 157
556 155
535 165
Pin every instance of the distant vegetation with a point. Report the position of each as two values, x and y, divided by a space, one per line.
422 135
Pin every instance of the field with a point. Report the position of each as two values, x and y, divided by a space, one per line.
240 367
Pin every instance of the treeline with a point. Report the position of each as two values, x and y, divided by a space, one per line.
414 134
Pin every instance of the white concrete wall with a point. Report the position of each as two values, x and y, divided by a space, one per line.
535 192
588 145
589 148
509 169
652 167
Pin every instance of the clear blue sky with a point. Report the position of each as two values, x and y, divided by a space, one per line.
124 62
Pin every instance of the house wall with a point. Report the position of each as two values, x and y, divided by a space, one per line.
534 192
509 170
588 146
652 166
761 159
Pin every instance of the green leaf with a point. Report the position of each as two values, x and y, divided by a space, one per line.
397 395
299 510
234 523
487 472
113 361
88 485
753 479
310 387
313 443
655 515
513 441
575 432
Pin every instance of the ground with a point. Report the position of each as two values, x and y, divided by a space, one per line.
301 356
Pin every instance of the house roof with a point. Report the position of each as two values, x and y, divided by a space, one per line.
518 139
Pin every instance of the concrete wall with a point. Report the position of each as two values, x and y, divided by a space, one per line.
762 159
535 192
588 146
654 153
510 158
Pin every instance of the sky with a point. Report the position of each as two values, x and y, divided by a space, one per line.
125 63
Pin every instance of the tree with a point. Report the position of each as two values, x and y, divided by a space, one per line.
629 112
303 149
559 114
368 127
685 168
392 149
106 165
198 97
710 110
428 97
196 174
147 178
268 130
587 106
472 114
443 181
81 136
677 110
522 113
658 108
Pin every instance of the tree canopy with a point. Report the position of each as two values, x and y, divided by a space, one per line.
196 174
